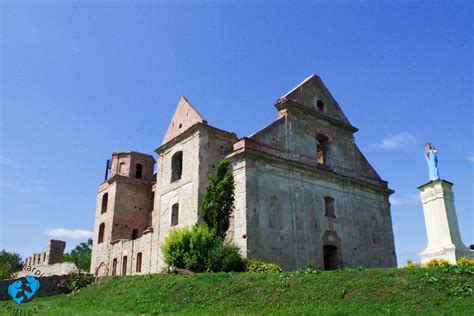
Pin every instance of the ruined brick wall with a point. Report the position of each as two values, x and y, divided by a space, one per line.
125 164
127 212
53 254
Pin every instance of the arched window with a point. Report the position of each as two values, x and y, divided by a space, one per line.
139 262
124 265
329 207
101 233
121 168
176 166
105 202
322 146
114 267
138 171
134 234
320 105
174 214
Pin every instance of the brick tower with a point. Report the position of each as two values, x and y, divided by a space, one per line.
124 204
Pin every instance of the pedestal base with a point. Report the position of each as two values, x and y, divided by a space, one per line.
449 253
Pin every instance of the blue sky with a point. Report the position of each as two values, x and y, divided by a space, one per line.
80 80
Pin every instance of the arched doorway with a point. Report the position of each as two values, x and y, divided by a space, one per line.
332 255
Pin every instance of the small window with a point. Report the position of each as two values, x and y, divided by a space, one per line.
114 267
121 168
134 234
320 105
174 214
329 207
176 166
101 233
322 144
124 265
138 171
139 262
105 202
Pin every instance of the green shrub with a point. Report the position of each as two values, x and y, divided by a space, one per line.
260 266
437 262
9 264
79 280
5 273
226 257
75 281
190 248
465 262
412 265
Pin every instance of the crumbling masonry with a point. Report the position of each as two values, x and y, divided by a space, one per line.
304 192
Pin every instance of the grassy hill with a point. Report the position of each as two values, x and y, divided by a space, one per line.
349 291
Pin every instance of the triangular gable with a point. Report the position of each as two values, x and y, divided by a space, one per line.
312 90
184 117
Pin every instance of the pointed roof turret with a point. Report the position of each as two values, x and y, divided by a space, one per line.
313 94
184 117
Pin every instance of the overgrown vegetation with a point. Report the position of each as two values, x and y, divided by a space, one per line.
81 255
203 247
79 280
218 203
260 266
10 263
306 291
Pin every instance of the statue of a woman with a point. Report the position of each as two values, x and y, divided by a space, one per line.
431 155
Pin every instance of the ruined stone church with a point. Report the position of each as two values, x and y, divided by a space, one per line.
304 192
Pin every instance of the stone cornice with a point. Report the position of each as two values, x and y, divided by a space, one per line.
196 127
251 147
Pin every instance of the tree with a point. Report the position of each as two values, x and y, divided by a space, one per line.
218 203
81 255
9 263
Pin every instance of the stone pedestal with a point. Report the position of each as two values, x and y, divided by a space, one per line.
444 238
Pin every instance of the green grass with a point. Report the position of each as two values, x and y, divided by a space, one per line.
344 292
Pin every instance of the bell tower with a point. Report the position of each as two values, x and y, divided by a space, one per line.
124 203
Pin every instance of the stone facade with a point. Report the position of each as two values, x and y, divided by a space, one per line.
304 195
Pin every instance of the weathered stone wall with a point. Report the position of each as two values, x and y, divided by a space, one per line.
130 249
48 270
51 285
286 221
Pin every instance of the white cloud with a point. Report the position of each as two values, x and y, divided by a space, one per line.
396 141
471 158
69 233
405 200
